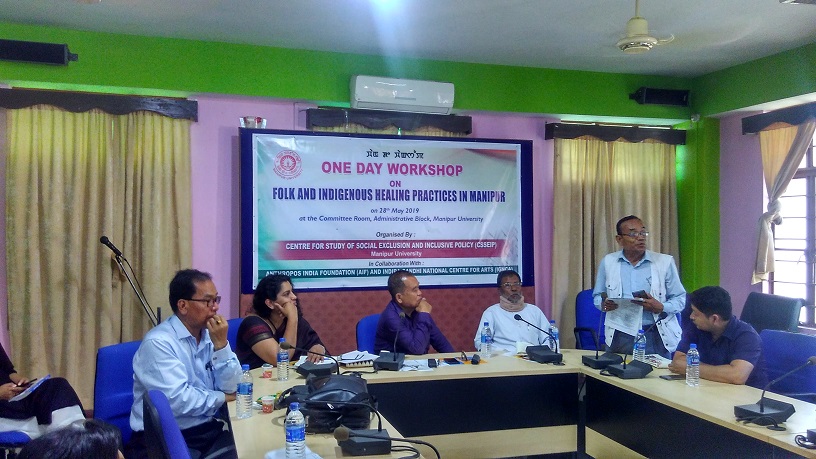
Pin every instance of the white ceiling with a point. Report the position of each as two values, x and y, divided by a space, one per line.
562 34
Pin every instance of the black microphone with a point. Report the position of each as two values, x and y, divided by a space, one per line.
542 354
599 362
636 368
395 360
104 240
309 368
381 443
774 411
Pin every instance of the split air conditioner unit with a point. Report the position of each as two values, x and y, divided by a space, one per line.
400 95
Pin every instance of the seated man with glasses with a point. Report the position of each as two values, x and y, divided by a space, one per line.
507 331
189 359
650 278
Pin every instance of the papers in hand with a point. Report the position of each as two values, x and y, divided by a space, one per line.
627 317
357 359
30 389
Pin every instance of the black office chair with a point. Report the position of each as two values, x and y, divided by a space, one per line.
764 311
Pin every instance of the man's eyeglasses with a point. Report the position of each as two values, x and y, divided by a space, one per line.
634 235
511 284
210 302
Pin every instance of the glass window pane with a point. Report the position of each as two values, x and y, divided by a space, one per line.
791 228
786 271
790 255
796 187
792 244
792 206
789 290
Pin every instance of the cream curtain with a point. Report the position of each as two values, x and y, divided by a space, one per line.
595 184
782 151
72 177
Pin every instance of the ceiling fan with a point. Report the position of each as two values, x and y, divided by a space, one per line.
637 39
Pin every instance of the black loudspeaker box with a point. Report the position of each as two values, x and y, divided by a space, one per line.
38 53
654 96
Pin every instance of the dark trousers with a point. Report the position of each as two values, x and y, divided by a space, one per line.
623 343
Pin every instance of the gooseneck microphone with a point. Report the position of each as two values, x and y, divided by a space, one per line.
599 362
394 361
106 242
542 354
309 368
381 443
154 317
770 412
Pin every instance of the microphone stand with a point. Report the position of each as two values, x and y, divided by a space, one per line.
542 354
353 442
317 369
608 358
770 412
636 368
155 318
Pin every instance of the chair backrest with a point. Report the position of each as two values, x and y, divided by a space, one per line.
587 317
784 351
162 433
366 331
232 332
113 385
776 312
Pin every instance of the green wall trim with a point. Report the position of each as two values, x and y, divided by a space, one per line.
780 76
698 204
165 66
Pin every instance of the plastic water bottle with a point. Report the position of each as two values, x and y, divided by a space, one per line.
487 340
243 403
693 366
555 345
295 426
639 349
283 363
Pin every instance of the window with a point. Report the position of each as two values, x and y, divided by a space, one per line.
795 240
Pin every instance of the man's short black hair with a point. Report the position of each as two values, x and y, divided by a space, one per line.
396 282
80 440
624 220
183 287
712 300
505 273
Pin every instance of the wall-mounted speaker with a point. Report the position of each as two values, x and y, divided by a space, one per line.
656 96
38 53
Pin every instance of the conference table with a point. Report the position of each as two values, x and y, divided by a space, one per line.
508 407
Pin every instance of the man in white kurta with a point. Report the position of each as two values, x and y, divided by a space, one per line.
507 331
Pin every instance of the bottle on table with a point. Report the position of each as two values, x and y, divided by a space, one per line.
639 349
555 339
283 363
693 366
243 398
295 426
487 340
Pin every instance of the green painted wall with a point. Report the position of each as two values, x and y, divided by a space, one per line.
146 65
698 203
788 74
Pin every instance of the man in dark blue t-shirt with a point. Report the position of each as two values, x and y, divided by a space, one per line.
730 349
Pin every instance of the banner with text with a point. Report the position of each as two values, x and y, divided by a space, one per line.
345 211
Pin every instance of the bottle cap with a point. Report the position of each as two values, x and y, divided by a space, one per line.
486 324
283 340
294 406
640 331
692 346
245 367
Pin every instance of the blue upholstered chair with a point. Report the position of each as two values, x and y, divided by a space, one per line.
776 312
162 433
232 332
366 331
784 351
11 441
113 386
587 317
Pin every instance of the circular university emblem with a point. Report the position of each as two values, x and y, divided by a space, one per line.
288 164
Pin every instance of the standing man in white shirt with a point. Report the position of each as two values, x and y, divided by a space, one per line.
507 331
188 358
